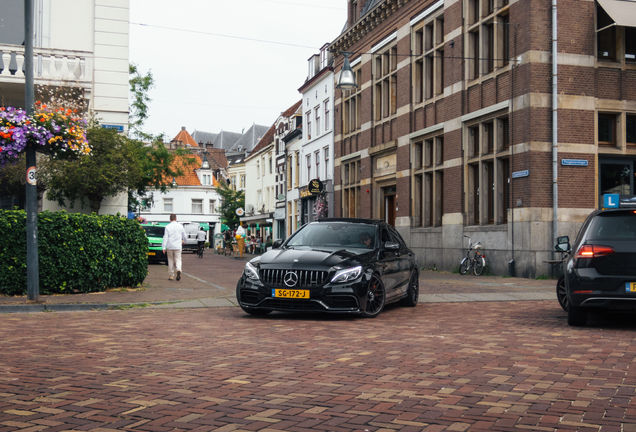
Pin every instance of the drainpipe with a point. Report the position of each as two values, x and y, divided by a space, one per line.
555 128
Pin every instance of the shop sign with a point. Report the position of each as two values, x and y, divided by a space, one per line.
315 187
304 193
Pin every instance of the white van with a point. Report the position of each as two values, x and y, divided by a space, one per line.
191 230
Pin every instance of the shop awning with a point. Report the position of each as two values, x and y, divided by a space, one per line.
623 12
205 226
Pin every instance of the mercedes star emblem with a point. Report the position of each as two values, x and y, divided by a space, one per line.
291 279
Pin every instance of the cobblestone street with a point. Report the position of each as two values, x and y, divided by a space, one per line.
440 366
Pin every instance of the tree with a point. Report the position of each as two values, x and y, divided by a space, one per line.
117 164
140 85
231 200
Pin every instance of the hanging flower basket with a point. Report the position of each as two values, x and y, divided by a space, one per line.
59 132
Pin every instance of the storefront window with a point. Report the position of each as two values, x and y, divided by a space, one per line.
616 177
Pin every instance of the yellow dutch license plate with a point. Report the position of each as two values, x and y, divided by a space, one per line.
630 286
290 293
151 253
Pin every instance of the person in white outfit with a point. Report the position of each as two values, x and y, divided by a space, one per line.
174 238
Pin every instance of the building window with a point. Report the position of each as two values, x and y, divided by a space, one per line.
630 133
326 152
605 36
167 205
308 125
428 62
289 171
258 169
488 173
385 83
317 114
351 112
317 157
428 188
297 176
197 206
270 165
607 130
488 37
350 188
308 168
212 206
327 123
233 182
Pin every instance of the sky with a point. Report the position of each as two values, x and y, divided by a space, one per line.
226 64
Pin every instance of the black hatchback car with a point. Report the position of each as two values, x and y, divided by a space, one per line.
352 266
600 268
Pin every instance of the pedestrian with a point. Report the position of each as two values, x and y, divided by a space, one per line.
173 240
227 239
240 239
201 240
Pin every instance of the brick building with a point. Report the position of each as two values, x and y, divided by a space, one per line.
450 130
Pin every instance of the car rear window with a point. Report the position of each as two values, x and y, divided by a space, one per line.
615 225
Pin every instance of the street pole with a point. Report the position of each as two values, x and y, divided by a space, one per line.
33 282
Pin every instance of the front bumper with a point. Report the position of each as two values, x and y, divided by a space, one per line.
157 255
338 298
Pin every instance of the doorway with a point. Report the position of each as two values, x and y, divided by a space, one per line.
390 202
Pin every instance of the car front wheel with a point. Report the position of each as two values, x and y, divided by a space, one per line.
375 298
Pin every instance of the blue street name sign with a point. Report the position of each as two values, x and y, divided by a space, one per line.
518 174
611 200
574 162
118 128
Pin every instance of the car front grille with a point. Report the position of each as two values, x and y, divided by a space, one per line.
306 278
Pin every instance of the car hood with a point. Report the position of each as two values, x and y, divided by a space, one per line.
311 259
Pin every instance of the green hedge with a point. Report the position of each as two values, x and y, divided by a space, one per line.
77 252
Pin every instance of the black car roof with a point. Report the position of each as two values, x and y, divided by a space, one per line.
352 220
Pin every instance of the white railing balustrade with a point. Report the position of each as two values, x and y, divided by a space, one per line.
48 64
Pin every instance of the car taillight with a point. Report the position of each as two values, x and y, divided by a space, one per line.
593 251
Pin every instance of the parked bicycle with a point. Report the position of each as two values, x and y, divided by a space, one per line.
474 260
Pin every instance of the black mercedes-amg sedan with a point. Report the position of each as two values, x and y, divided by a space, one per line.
600 269
352 266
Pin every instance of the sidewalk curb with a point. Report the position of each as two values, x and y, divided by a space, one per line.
52 308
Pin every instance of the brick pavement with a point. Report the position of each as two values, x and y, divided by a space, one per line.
214 277
451 367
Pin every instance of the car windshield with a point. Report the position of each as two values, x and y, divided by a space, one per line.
154 231
334 234
614 225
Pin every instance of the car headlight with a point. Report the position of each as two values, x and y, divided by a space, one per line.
347 275
251 272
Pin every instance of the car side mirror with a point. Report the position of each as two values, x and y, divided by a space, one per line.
391 246
277 243
563 244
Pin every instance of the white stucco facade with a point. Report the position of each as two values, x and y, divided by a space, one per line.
317 150
77 43
190 203
261 185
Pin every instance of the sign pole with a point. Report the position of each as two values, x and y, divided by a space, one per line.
33 280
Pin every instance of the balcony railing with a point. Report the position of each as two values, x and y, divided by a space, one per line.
48 65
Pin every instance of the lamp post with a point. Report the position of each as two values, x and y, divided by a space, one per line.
33 274
174 183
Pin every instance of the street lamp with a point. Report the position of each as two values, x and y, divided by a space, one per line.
205 164
174 183
347 79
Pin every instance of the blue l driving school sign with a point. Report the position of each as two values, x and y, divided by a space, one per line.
617 200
